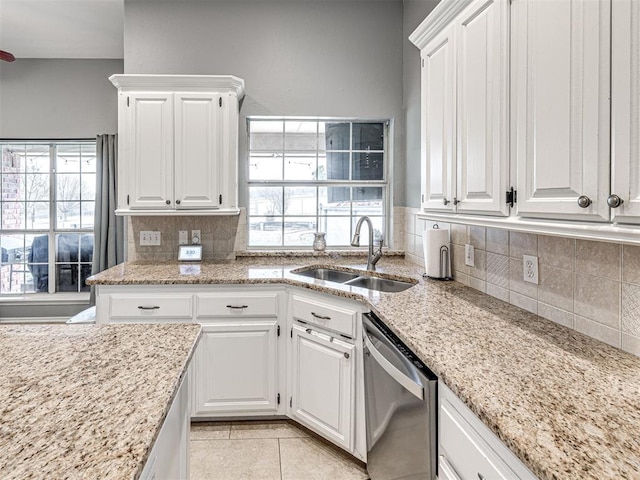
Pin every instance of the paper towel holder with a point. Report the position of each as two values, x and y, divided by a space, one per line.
445 263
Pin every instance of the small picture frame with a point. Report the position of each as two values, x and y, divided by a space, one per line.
190 253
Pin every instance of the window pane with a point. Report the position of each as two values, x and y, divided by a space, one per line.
338 230
68 158
265 166
265 201
300 200
298 231
88 153
68 215
37 158
14 187
334 201
368 166
337 166
37 187
301 135
265 231
13 158
266 135
87 210
367 201
37 215
13 216
67 247
336 136
67 277
88 191
368 136
38 258
68 186
300 167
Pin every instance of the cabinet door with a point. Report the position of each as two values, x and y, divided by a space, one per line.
198 150
625 97
482 37
235 369
322 385
560 87
438 123
150 146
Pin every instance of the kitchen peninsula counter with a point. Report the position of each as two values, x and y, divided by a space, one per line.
87 401
567 405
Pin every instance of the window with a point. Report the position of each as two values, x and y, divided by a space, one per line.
315 175
47 199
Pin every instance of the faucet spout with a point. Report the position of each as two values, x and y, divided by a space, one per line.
372 256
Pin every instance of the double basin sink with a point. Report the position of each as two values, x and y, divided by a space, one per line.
355 279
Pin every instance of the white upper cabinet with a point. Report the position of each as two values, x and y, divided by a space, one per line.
560 91
625 108
464 51
178 147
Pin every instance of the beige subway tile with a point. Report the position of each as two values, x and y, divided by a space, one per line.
631 308
479 269
598 331
459 234
522 244
526 303
597 299
516 280
556 287
478 284
457 260
598 258
498 269
477 237
631 344
497 241
631 264
556 251
555 314
460 277
410 222
498 292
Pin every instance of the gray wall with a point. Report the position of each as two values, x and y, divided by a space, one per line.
413 13
58 98
325 58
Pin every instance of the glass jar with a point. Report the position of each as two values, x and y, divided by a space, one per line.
319 242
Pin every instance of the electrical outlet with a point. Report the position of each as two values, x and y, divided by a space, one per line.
183 237
196 239
530 268
150 238
469 255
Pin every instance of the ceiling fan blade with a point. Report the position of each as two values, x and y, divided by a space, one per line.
6 56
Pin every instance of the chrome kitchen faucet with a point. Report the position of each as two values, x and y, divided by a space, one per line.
372 257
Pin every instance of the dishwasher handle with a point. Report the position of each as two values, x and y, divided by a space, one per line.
408 383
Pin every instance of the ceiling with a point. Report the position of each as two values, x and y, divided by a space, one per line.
62 28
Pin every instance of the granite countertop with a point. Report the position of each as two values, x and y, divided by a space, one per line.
567 405
87 401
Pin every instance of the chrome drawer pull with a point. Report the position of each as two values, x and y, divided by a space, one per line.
148 307
320 317
237 307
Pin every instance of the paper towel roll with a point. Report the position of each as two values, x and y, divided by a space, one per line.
433 239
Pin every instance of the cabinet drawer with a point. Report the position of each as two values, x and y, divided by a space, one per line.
168 306
331 317
241 305
464 450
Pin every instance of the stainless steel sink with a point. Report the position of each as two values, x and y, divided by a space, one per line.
337 276
379 284
355 280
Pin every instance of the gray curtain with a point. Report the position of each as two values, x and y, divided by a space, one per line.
108 245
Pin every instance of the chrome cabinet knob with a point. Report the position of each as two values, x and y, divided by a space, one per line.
178 202
614 201
455 201
584 201
168 202
445 201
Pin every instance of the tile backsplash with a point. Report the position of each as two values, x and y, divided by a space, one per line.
592 287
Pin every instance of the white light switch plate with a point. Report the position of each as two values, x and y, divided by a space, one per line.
469 255
150 238
183 237
530 268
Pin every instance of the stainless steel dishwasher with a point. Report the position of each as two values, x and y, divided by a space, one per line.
401 407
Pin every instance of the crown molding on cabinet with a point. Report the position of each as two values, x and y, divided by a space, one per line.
192 83
439 18
176 213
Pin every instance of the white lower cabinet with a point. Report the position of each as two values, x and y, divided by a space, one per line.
467 449
322 384
169 457
235 369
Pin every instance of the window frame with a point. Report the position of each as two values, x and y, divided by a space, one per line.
61 297
386 183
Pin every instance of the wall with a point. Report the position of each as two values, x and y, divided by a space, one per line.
414 12
306 58
591 287
58 98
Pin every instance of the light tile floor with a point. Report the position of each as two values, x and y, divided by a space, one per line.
274 450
